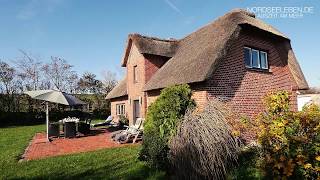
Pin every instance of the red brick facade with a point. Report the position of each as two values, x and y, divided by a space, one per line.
145 66
244 88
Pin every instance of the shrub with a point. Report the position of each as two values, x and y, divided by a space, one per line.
242 128
204 147
123 120
290 140
161 124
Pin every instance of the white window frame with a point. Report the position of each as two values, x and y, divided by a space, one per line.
259 59
250 57
267 65
255 50
120 109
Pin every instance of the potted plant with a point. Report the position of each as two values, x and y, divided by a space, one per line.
123 121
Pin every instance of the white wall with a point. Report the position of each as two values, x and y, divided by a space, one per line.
303 100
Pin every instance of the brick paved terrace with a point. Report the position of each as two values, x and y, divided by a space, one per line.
40 148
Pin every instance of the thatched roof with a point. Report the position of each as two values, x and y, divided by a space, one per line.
195 57
312 90
119 90
150 45
199 53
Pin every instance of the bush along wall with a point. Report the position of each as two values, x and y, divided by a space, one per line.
28 111
290 141
32 118
21 118
161 124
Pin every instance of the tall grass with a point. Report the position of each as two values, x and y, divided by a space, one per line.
204 147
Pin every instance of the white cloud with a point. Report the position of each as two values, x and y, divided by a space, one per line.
37 7
172 6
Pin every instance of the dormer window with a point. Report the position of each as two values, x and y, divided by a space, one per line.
255 59
135 73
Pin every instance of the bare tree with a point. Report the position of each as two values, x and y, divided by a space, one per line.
60 74
72 85
109 81
29 70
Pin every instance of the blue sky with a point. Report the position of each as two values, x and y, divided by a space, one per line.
91 35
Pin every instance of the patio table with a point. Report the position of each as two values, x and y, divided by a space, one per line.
69 126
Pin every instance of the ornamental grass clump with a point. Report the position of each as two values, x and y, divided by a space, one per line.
290 141
204 147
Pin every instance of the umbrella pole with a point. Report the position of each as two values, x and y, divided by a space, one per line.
47 119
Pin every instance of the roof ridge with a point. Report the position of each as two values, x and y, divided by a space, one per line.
133 35
233 11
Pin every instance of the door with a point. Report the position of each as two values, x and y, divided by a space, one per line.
136 110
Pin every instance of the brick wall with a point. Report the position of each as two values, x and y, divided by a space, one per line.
242 88
152 96
135 88
146 65
200 97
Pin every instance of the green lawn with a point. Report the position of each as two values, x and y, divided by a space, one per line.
116 163
95 121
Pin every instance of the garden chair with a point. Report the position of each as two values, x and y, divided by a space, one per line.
131 133
107 122
84 127
138 136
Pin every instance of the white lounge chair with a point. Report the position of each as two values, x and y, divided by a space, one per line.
131 133
107 122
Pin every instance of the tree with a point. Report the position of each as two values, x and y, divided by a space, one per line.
109 81
7 75
60 74
89 84
29 70
72 85
10 85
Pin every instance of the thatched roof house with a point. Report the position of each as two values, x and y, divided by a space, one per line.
212 60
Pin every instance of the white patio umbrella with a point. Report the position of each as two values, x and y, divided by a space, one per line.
55 97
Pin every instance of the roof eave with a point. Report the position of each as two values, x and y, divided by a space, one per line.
114 97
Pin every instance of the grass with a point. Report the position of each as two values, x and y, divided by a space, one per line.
115 163
95 121
248 167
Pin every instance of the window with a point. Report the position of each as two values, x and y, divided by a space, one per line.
255 58
120 109
263 59
135 72
247 56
